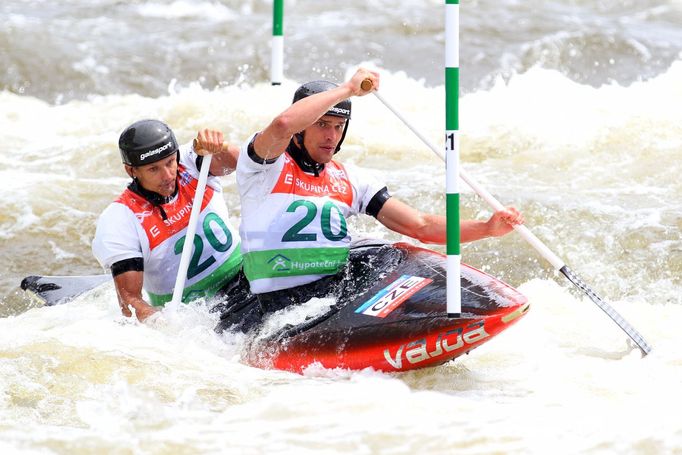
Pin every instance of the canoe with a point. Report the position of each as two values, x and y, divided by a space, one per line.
389 314
392 316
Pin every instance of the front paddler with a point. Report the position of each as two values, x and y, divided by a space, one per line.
296 200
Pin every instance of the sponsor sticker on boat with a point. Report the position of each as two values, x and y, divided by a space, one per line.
390 297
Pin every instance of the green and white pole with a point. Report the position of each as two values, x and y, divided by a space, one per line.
277 63
454 293
451 157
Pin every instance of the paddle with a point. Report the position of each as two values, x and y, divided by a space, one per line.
191 229
528 236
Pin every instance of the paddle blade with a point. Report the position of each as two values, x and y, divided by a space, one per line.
608 309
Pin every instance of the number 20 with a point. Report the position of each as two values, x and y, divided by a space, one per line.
195 268
294 235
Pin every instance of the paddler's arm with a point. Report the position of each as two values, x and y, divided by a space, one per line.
270 143
129 291
427 228
225 155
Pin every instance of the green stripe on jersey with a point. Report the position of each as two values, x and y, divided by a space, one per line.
294 262
208 286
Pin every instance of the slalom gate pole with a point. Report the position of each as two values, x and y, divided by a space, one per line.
532 240
277 61
454 292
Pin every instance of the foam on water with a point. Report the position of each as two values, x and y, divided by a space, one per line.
596 157
213 11
594 169
82 374
594 161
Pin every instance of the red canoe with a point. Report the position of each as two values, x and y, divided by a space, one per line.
393 317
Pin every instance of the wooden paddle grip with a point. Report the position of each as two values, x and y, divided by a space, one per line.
195 144
366 85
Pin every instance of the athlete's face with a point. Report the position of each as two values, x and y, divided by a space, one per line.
158 177
321 138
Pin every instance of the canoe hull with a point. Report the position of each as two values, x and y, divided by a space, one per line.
399 322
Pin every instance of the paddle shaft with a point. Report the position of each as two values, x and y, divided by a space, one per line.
481 191
191 230
536 243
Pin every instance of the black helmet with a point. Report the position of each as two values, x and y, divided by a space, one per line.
341 109
146 141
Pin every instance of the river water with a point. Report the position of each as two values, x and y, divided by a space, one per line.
570 111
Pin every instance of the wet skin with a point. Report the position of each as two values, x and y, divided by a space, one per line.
158 177
322 137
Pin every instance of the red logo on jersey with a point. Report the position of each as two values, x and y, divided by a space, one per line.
177 211
333 182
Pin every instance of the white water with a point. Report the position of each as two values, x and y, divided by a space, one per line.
595 169
562 381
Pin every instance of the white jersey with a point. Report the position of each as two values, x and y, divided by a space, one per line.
293 226
131 227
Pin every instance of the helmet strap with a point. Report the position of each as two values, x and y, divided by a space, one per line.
298 152
343 136
152 197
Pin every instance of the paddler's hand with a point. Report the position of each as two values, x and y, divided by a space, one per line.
355 84
144 311
503 221
209 142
